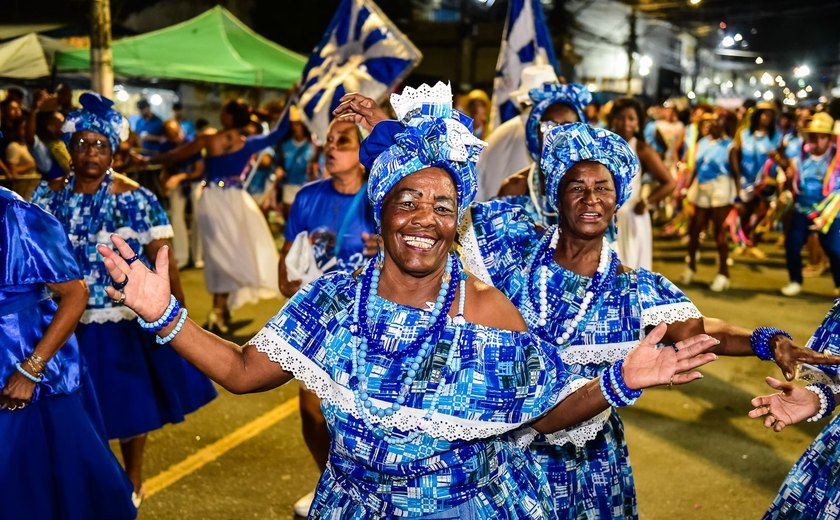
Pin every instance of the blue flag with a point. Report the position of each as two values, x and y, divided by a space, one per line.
362 51
525 41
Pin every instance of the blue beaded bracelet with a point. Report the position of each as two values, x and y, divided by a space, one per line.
27 375
164 319
169 318
624 391
760 341
607 390
169 337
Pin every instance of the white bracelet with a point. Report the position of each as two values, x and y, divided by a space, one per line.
823 403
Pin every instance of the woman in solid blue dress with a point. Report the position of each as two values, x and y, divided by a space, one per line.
54 461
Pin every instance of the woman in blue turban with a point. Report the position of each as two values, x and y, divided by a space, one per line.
139 387
422 370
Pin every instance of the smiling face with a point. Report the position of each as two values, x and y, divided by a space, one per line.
586 200
419 220
341 149
90 153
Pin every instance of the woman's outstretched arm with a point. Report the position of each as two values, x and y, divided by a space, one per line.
239 369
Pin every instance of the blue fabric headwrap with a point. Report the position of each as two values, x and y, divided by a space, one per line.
96 115
572 94
566 145
430 133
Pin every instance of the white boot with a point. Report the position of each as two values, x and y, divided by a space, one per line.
720 283
792 289
687 276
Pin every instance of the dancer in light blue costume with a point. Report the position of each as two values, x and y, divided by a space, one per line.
422 369
812 488
54 460
139 387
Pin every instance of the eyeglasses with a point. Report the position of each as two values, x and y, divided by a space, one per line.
84 145
545 126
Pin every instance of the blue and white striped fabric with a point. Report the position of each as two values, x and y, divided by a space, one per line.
362 51
526 41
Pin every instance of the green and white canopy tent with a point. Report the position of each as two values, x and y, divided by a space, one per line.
214 47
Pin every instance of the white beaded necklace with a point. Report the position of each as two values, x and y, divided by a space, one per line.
603 264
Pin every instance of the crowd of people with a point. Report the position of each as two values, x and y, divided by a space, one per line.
467 306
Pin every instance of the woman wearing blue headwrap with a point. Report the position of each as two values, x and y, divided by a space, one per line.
139 387
554 104
421 369
573 291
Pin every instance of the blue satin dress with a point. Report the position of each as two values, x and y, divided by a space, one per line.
54 461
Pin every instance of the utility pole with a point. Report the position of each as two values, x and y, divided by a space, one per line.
101 61
632 48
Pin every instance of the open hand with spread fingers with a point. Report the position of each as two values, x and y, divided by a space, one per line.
362 110
648 365
792 405
134 285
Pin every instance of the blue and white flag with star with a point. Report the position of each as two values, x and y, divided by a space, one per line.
525 41
362 51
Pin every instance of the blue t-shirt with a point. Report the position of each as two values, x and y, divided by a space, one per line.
319 209
793 146
754 151
712 158
811 174
154 126
296 156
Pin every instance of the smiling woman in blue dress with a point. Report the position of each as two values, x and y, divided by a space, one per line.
421 368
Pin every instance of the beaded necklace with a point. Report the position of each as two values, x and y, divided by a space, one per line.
412 364
97 216
607 266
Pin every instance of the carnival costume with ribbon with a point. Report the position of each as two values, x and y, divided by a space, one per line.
593 322
812 488
139 387
418 403
49 444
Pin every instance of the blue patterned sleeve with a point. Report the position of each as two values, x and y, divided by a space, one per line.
145 215
825 339
496 238
34 247
662 301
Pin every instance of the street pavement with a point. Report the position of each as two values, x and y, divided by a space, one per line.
695 453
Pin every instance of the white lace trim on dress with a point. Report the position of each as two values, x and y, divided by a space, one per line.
578 434
596 354
411 99
108 314
670 313
470 252
440 426
144 237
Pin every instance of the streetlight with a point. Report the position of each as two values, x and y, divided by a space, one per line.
801 71
738 37
759 60
728 41
694 2
768 96
757 93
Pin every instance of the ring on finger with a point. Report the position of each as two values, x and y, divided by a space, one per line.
132 259
120 285
121 300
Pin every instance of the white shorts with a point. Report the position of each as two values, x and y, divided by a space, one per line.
290 191
713 194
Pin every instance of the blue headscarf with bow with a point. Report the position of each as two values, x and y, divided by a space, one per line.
96 115
430 133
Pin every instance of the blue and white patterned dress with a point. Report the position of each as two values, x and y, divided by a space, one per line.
463 457
812 488
590 475
140 386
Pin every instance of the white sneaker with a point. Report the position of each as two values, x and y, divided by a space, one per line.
302 506
720 283
687 276
792 289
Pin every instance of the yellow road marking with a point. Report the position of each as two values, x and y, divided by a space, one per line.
210 453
